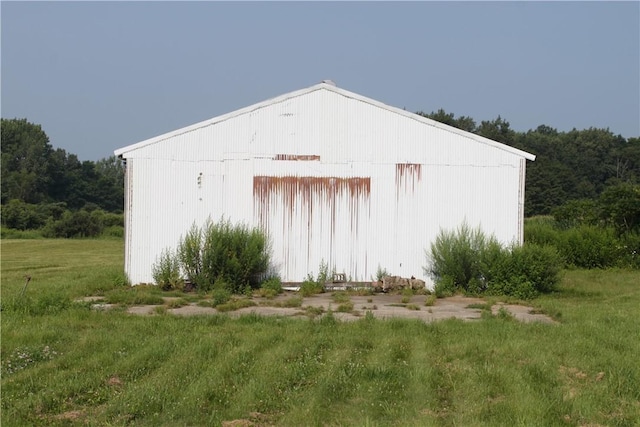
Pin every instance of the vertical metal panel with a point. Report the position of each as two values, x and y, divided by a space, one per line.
521 182
128 206
331 178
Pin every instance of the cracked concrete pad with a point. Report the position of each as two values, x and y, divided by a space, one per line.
381 306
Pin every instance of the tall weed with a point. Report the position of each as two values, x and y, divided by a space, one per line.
524 271
272 284
467 261
166 271
454 257
236 254
190 255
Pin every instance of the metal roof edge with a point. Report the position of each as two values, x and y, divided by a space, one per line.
221 118
435 123
340 91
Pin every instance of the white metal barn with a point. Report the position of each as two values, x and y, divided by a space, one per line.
333 176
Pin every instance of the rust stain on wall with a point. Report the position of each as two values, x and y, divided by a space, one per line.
313 195
407 175
299 157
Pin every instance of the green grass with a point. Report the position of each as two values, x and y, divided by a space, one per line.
64 364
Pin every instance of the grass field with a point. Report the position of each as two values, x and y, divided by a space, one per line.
65 364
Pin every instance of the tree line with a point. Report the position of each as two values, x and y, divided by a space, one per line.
34 172
589 164
50 189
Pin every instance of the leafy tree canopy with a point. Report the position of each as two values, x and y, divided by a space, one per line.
33 172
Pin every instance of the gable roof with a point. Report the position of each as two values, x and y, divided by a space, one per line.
325 85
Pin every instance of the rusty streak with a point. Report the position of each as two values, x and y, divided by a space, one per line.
407 174
313 195
299 157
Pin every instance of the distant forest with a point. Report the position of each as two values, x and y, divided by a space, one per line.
573 165
33 172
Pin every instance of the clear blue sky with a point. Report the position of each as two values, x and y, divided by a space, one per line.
100 76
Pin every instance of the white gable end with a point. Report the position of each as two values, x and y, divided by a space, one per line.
331 175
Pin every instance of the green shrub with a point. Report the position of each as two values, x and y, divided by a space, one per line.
19 215
589 247
466 261
454 257
110 219
430 300
341 297
310 287
345 307
620 207
220 283
323 273
267 293
166 271
541 230
235 253
10 233
444 287
113 231
495 263
220 296
524 271
75 224
273 284
381 273
584 245
577 212
190 256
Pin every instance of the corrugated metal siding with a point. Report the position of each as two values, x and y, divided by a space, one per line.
383 186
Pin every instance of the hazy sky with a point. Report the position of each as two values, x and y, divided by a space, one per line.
100 76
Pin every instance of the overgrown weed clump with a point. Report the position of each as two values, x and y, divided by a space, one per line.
235 254
466 260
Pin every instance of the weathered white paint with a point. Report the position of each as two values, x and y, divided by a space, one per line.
331 175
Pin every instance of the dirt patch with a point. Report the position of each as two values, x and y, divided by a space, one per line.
381 306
